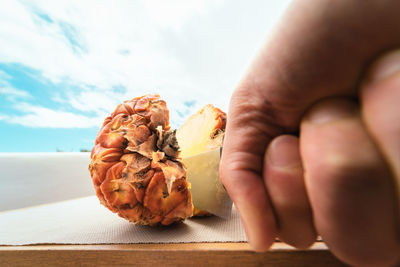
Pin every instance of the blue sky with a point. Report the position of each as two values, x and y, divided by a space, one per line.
65 65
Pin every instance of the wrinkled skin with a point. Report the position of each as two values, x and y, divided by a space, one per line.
134 167
319 153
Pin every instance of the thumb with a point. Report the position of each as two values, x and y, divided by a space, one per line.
380 97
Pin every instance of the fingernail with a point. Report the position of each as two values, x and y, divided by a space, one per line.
283 152
384 67
331 110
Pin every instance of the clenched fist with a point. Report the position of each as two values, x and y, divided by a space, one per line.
312 144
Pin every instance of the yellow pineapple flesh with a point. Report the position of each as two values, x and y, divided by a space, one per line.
202 132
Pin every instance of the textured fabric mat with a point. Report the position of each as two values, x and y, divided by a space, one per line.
86 221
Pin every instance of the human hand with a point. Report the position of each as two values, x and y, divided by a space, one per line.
339 178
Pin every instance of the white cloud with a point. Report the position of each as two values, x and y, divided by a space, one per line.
12 92
38 116
182 49
104 28
7 90
87 101
174 13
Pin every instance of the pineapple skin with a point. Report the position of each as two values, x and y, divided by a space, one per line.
135 167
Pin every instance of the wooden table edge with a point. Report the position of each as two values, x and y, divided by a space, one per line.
171 254
201 246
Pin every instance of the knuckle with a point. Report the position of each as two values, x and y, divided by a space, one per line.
250 106
227 167
238 162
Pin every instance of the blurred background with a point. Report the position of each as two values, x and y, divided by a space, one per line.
66 64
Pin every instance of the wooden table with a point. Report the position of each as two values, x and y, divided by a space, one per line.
188 254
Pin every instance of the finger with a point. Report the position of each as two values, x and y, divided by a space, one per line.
240 170
349 184
283 177
380 95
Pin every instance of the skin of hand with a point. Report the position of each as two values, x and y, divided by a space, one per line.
312 144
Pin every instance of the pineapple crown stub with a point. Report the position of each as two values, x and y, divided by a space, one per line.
167 142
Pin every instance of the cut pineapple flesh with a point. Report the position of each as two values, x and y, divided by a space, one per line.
202 132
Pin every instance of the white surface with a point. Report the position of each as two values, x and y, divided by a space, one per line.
85 221
28 179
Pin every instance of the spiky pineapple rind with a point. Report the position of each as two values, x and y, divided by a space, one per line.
127 179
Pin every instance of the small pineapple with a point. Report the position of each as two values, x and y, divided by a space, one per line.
136 163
